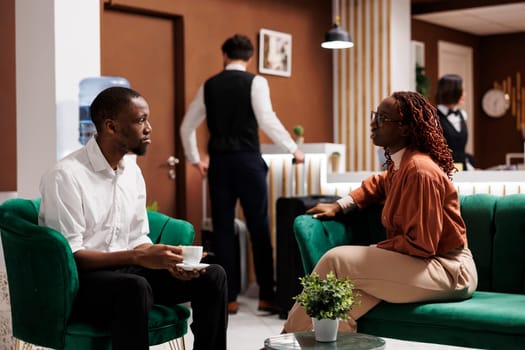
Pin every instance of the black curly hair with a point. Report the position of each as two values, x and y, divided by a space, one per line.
238 47
425 134
109 103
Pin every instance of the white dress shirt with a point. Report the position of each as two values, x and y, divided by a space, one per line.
94 206
262 107
454 119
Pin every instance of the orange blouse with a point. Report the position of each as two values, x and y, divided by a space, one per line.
421 210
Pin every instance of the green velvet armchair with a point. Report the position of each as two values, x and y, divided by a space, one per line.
43 282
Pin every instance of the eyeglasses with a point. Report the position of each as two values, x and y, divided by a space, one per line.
381 119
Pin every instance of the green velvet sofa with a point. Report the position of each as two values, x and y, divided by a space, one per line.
43 281
494 318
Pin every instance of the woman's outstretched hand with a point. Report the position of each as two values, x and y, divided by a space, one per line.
324 210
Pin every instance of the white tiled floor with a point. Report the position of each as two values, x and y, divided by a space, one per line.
248 329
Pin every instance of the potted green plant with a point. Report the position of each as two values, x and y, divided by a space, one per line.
153 206
422 81
298 131
326 301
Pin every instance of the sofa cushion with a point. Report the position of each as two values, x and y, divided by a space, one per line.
508 267
478 213
487 320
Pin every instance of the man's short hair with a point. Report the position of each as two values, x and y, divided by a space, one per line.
238 47
109 103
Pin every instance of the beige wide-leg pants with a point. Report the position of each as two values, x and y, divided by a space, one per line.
380 274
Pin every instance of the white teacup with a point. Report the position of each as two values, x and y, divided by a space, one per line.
191 254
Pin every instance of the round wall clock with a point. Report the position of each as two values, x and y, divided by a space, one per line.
495 103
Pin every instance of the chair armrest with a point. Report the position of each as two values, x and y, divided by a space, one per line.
177 232
167 230
42 277
315 237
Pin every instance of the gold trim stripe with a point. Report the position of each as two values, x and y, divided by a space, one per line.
284 184
364 81
310 178
381 52
346 93
388 49
352 141
373 72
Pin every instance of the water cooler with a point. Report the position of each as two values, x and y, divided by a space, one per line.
89 89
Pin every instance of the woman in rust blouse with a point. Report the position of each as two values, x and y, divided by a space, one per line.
425 256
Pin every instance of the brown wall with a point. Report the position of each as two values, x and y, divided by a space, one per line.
501 56
304 98
430 34
495 58
8 97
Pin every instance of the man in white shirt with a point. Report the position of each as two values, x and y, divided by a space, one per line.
96 197
236 104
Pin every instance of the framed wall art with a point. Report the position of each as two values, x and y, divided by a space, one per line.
275 53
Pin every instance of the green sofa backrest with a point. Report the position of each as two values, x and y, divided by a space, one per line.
508 259
40 305
26 209
495 231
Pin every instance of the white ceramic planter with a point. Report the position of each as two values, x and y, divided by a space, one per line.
325 330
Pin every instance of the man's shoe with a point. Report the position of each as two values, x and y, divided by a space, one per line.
233 307
268 306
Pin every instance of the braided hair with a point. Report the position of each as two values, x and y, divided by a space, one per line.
426 133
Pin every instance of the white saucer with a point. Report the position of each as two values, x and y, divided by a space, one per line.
193 267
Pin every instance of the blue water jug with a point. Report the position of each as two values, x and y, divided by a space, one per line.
89 89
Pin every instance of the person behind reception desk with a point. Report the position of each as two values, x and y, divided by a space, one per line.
449 97
425 255
236 104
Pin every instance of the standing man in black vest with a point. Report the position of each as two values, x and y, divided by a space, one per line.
235 104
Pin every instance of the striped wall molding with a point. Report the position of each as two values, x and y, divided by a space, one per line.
361 77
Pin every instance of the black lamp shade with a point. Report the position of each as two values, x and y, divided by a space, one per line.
337 38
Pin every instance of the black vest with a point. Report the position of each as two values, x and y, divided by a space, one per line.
229 115
457 140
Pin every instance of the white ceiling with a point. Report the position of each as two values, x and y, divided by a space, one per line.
488 20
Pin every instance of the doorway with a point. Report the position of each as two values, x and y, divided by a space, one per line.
146 48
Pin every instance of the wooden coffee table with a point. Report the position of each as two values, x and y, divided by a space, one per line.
306 340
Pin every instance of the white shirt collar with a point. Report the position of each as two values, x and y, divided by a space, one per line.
443 109
97 159
235 66
396 157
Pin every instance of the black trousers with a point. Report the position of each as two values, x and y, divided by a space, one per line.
122 299
241 176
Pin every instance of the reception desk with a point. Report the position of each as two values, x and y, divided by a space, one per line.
318 176
500 183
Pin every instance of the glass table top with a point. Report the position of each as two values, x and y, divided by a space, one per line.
306 340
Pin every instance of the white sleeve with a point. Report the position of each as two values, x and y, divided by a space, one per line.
192 119
61 207
266 117
346 203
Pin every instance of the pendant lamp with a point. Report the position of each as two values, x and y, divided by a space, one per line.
337 37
